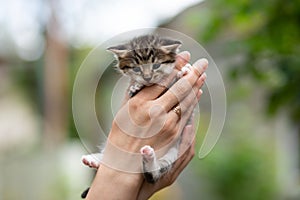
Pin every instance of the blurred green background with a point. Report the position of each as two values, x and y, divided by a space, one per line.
256 45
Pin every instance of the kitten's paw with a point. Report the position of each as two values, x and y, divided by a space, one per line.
90 161
147 153
184 70
138 86
133 89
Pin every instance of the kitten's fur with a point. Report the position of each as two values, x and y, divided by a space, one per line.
146 60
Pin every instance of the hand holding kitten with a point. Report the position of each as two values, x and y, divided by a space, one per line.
139 106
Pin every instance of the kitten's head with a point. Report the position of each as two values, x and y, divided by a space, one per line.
147 59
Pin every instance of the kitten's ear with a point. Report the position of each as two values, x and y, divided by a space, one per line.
169 45
120 50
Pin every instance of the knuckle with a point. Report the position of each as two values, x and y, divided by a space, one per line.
156 110
136 103
166 127
169 130
180 88
139 111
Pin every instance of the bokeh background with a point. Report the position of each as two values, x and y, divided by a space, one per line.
256 45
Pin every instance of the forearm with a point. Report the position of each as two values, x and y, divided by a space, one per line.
110 184
116 177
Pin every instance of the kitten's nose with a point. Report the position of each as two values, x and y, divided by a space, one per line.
147 79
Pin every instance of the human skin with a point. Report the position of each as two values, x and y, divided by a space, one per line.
110 183
186 151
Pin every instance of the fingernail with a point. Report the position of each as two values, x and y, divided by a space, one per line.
185 53
184 56
200 92
201 65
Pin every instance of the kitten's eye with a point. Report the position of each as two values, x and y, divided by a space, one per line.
156 66
136 69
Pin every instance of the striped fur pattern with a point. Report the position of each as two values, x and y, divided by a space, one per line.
146 59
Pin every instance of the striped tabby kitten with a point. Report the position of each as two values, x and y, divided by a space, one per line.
146 60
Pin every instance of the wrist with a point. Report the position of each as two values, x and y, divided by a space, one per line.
125 179
112 184
123 141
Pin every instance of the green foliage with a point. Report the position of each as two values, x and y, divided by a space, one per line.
266 35
240 170
27 78
75 60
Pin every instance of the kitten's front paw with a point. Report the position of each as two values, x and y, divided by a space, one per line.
91 161
147 153
184 70
133 89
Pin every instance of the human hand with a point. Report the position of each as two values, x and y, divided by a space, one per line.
151 107
148 117
187 152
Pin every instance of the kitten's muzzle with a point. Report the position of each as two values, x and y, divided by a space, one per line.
147 79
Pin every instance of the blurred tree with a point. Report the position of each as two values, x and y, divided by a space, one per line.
55 83
266 35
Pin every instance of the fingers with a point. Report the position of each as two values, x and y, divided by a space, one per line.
185 123
186 153
187 138
155 91
192 98
182 162
187 106
182 59
186 148
183 86
184 106
187 157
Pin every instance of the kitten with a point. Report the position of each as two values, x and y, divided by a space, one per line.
146 60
